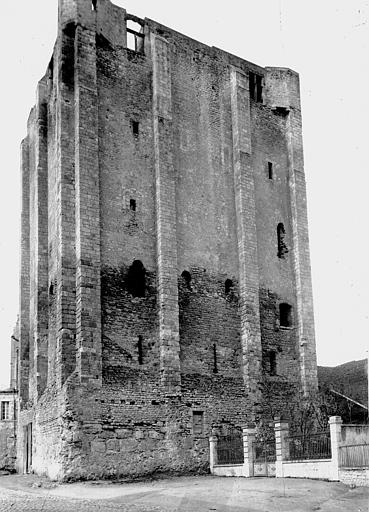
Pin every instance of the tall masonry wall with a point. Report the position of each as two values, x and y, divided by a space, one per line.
155 174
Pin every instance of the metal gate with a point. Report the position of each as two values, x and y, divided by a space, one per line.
264 458
230 449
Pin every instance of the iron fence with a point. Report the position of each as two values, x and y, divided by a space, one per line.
354 455
312 446
230 449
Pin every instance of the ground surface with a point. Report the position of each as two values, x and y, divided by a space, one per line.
185 494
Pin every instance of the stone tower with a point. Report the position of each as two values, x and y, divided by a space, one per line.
165 272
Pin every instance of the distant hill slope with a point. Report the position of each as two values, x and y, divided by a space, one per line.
349 378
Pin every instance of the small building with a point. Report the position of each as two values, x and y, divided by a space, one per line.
8 432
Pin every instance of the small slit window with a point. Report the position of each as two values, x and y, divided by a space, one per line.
135 128
281 236
135 36
198 422
285 315
132 205
215 361
140 350
270 170
94 5
272 363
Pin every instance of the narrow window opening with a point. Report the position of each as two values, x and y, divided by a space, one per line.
135 128
132 205
51 289
136 279
198 422
270 170
228 286
4 415
272 363
140 350
285 315
94 5
186 278
281 235
215 367
135 36
256 87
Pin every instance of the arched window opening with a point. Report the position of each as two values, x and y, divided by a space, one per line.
136 279
93 5
281 235
228 286
186 276
285 315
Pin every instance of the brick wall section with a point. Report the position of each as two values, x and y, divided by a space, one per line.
283 90
65 277
165 217
39 244
247 236
88 293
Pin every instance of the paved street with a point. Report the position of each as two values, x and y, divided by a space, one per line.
184 494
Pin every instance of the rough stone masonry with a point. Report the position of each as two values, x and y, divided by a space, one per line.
165 272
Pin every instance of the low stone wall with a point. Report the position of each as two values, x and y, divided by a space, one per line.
354 476
315 469
228 470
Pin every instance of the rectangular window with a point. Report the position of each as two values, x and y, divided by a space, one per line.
135 128
270 170
198 422
4 413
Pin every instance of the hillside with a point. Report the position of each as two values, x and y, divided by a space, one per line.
349 378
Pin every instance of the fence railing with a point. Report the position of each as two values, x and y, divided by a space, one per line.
354 455
312 446
230 449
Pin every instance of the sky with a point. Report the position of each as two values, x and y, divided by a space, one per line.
327 43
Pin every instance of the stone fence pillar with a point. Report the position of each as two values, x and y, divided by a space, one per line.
248 434
213 442
281 430
335 424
